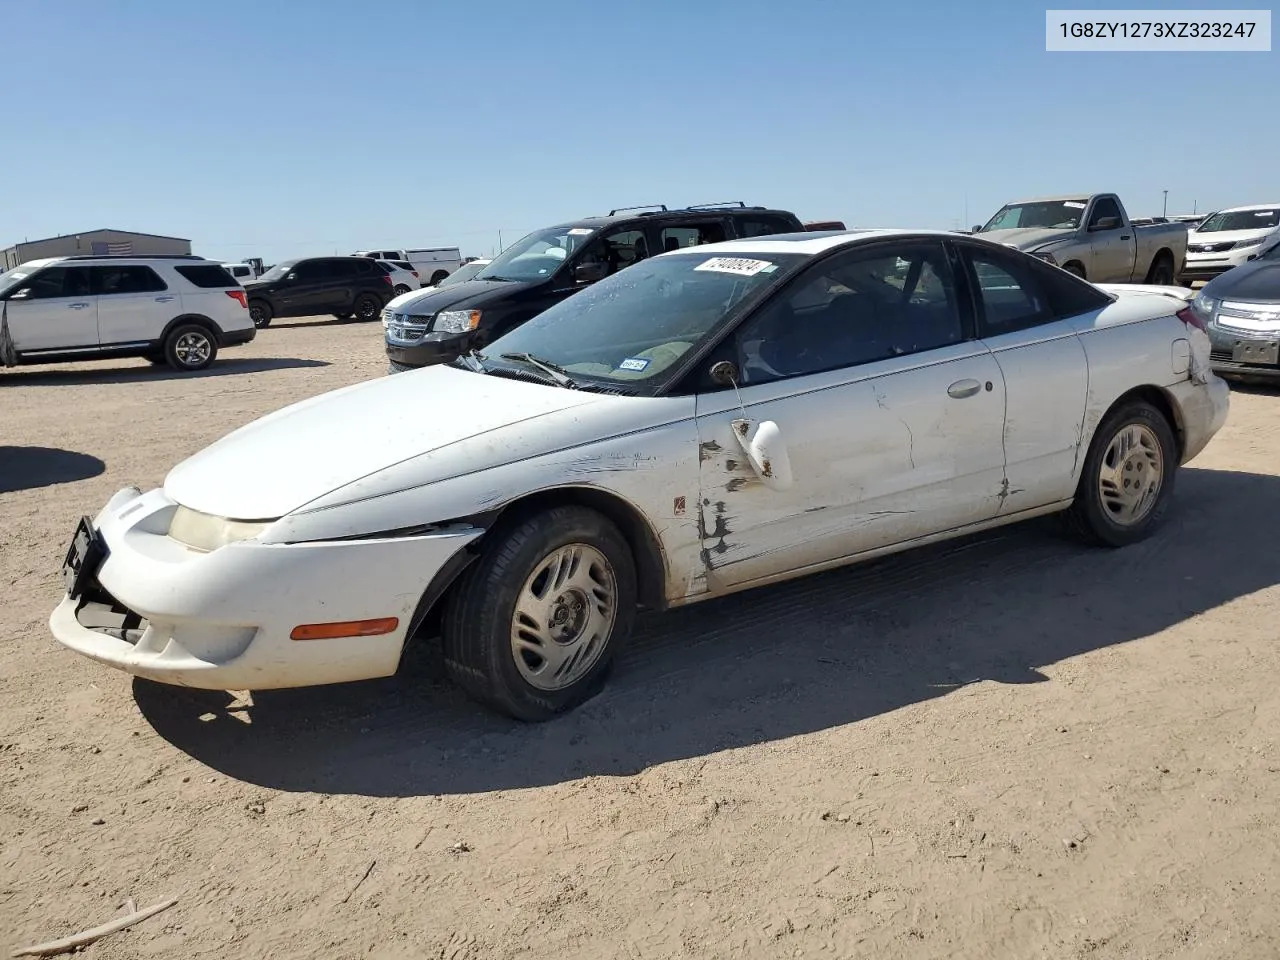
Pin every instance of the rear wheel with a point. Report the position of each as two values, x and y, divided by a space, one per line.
535 624
1128 477
260 313
401 289
1161 273
439 275
367 307
190 347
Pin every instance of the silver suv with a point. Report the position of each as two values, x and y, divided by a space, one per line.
177 310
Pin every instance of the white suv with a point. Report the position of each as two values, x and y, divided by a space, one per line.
177 310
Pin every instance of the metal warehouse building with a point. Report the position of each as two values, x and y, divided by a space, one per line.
106 241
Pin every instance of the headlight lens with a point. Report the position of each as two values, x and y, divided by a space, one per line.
456 321
1250 243
1045 256
204 532
1205 306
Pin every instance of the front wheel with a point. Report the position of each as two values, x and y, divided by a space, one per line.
535 625
1076 269
190 347
401 289
1127 479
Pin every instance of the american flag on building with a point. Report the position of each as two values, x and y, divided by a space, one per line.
113 248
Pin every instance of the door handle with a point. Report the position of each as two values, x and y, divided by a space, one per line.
165 299
77 306
1125 237
964 388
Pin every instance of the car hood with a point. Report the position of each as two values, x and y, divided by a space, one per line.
1027 238
468 294
1257 281
1228 236
287 459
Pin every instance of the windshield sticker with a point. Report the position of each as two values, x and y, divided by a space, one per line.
581 231
1074 204
740 266
1265 213
634 363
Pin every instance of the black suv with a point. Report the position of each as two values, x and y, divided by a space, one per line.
548 265
345 287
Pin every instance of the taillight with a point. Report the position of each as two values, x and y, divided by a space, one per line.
415 274
387 277
239 295
1189 316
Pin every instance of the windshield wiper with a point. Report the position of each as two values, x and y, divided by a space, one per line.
501 279
554 371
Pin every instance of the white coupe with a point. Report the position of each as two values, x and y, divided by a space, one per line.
704 421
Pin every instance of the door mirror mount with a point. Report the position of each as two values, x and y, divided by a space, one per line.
766 452
1106 223
724 373
590 272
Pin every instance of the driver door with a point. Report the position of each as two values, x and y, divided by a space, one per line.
891 416
54 310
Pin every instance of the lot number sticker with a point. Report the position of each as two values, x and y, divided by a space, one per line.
634 363
738 266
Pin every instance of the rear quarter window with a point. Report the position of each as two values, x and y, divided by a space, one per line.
208 276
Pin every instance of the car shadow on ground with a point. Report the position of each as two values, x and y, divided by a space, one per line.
805 656
319 322
35 377
26 468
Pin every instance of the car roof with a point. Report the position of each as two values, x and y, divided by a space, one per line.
817 242
684 213
1251 206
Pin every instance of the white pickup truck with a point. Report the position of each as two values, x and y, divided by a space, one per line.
1093 237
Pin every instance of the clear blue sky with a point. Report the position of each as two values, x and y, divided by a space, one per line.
279 129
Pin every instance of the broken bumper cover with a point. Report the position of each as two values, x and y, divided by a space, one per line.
1202 410
222 620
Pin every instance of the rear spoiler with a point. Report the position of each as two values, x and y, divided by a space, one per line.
1119 289
815 225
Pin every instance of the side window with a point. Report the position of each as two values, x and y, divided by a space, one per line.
761 226
617 250
311 270
60 282
691 235
108 281
362 267
1010 297
1106 207
855 307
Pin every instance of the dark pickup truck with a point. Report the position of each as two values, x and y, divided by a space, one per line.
438 325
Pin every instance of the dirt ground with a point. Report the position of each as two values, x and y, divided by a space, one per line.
1006 747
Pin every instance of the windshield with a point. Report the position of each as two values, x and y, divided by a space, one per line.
464 273
538 255
279 271
1043 214
1240 220
10 279
634 325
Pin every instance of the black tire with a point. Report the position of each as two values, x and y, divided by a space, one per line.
260 313
190 347
439 275
1161 272
479 617
400 289
1076 269
1093 516
367 307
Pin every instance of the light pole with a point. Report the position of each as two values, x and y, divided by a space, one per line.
1165 212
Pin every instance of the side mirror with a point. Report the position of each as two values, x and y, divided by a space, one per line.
977 228
590 272
292 276
724 373
766 452
1106 223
